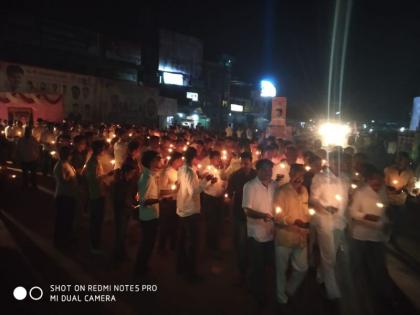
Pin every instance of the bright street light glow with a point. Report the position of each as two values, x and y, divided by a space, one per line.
268 89
334 134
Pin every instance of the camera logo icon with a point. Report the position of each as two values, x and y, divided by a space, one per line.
35 293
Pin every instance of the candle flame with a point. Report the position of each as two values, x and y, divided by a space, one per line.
278 210
311 212
338 197
354 186
226 195
113 162
379 204
395 182
199 166
173 187
307 168
53 153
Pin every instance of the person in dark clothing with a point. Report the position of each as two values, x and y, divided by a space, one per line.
65 198
124 199
235 190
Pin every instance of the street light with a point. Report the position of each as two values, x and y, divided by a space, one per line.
267 89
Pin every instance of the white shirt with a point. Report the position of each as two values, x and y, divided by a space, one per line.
368 201
218 188
330 191
168 177
399 180
190 187
120 153
259 198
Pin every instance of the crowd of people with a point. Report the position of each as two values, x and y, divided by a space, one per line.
292 204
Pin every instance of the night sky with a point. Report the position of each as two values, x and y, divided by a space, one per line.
288 40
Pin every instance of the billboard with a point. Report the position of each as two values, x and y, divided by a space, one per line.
27 107
88 97
415 115
278 111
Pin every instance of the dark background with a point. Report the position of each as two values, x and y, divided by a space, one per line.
287 40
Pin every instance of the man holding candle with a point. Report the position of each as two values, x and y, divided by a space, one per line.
168 190
291 233
400 181
368 232
235 190
258 205
329 198
213 204
188 209
148 189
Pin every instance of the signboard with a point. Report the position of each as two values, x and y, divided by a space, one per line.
278 111
415 115
30 106
236 108
92 98
192 96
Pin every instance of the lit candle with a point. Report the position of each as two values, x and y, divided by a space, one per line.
13 176
258 152
379 204
311 212
224 152
188 143
307 168
53 142
185 148
170 150
354 186
148 137
168 157
324 162
282 165
356 174
183 158
53 153
278 210
417 185
113 162
171 145
199 166
19 133
173 187
338 197
108 140
395 182
224 157
226 195
130 134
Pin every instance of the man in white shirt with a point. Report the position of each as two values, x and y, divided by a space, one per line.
168 191
368 235
120 149
188 209
148 189
329 198
213 203
258 205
